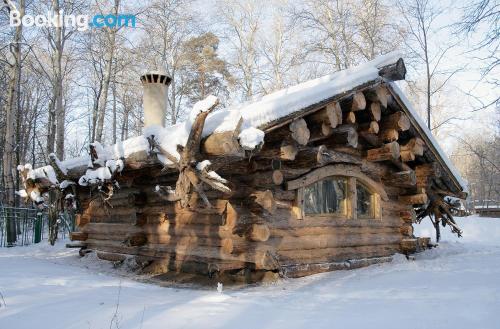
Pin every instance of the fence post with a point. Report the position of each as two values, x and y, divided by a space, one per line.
10 228
38 227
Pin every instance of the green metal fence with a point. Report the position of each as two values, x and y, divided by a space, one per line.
25 226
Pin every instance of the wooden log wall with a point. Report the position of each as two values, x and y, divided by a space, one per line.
257 226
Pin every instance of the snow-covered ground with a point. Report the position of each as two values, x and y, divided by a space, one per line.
454 286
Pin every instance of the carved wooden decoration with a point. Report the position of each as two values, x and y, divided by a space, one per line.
191 177
337 170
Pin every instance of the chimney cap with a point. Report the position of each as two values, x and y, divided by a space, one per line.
156 77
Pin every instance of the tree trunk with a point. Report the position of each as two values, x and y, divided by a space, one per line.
10 113
107 78
10 125
58 88
114 112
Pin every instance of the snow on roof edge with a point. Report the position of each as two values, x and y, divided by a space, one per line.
423 127
255 114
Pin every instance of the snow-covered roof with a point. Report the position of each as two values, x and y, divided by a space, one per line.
254 114
258 115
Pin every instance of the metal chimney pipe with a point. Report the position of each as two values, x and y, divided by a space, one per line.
154 99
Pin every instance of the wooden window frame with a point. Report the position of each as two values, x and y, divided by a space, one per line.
374 200
353 174
329 215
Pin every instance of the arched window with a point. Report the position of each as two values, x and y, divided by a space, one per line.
327 196
338 191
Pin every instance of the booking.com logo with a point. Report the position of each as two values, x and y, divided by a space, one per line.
79 22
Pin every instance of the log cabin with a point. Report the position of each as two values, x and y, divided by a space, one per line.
329 174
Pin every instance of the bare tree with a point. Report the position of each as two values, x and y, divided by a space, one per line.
420 22
168 24
479 16
279 48
241 21
478 158
107 75
375 32
330 25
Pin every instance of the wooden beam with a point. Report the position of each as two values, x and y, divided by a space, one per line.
414 199
358 102
325 156
369 128
258 232
398 121
393 72
389 135
415 146
288 151
224 143
330 115
265 199
389 151
277 177
379 94
300 132
375 111
78 236
402 179
349 117
345 135
407 155
425 172
408 216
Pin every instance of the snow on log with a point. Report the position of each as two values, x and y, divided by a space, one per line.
251 138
